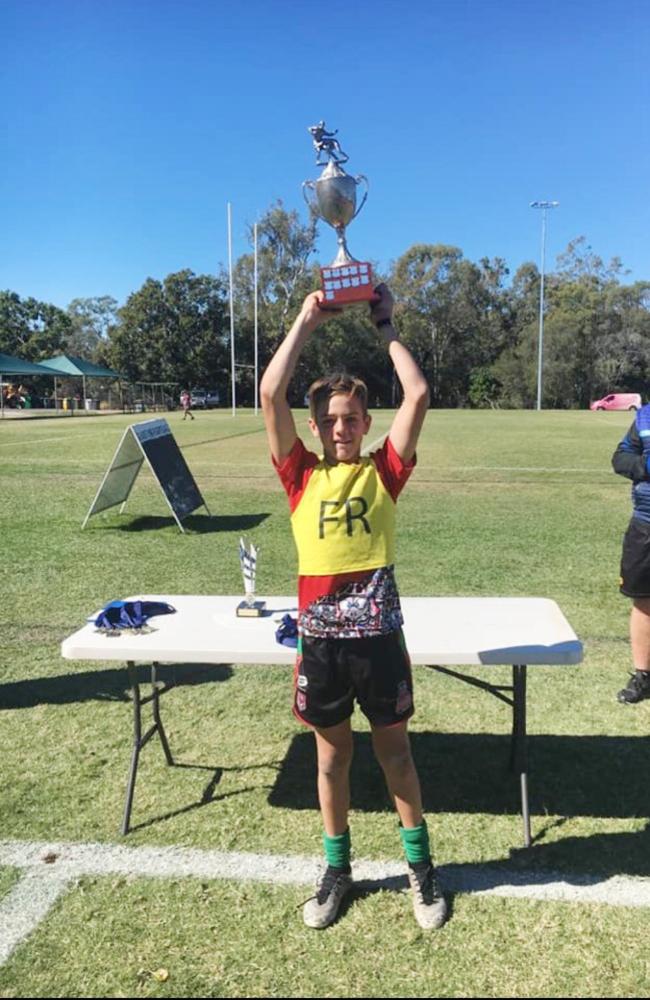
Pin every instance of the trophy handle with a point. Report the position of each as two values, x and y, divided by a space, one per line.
357 180
310 204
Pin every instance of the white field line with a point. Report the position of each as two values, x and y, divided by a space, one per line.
575 470
50 868
25 905
25 444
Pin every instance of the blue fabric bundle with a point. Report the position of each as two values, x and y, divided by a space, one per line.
130 614
287 632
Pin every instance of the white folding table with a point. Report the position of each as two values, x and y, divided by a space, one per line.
441 633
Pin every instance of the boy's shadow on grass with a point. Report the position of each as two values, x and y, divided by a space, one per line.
594 776
105 685
195 524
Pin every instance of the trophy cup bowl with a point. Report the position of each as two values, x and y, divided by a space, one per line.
336 196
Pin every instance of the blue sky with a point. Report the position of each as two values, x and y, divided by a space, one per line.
129 124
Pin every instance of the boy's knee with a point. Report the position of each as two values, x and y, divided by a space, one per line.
397 761
335 764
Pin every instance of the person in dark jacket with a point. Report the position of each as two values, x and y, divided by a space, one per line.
632 460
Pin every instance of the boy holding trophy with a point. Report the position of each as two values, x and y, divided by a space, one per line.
350 639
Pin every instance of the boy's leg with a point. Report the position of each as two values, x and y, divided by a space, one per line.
393 751
635 582
638 687
334 751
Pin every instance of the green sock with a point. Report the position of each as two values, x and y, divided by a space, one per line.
337 849
415 841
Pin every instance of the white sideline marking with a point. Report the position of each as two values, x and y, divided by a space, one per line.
367 448
574 469
73 860
22 443
25 905
51 868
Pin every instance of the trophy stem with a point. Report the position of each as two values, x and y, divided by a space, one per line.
343 256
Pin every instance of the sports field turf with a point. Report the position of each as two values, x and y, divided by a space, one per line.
502 503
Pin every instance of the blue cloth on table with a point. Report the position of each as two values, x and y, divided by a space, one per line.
287 631
130 614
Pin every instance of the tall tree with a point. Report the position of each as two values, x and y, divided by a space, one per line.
31 329
285 276
579 263
284 246
595 332
174 330
91 321
450 312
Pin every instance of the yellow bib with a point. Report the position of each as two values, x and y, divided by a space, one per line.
345 520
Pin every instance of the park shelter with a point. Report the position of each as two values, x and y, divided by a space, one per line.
10 365
71 366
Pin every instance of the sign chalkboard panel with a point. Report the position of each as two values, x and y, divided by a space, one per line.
151 440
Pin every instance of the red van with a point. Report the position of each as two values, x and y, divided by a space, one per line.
618 401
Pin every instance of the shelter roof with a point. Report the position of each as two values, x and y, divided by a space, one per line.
69 364
10 365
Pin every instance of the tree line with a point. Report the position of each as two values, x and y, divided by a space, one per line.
472 327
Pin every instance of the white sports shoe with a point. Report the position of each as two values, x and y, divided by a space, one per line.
321 910
429 904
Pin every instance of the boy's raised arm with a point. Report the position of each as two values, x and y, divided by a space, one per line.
406 426
280 426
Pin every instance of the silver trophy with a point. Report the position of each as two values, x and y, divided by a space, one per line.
249 607
334 198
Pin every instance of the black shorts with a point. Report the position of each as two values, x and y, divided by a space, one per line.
635 560
330 673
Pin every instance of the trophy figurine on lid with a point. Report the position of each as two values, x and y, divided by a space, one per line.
345 280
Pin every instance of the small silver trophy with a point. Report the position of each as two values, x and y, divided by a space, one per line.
249 607
334 199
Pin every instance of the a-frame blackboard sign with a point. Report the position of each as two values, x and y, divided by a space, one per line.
151 440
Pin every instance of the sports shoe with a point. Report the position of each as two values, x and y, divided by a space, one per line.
636 689
322 909
429 904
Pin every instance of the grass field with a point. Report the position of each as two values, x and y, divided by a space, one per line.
502 503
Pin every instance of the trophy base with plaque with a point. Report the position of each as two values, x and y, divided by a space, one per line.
347 283
253 610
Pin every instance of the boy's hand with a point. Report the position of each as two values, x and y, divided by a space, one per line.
314 312
381 307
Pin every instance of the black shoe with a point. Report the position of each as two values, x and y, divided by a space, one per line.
636 689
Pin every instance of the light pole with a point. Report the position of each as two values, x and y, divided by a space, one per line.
232 315
544 205
255 293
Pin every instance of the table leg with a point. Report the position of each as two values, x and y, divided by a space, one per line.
519 748
137 732
139 741
518 743
155 694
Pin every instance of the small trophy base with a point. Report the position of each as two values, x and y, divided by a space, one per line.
254 610
347 283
